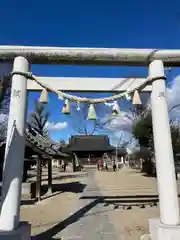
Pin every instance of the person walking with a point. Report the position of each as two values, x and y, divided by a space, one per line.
99 164
114 166
105 165
65 165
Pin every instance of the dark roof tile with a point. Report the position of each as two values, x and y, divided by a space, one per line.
90 143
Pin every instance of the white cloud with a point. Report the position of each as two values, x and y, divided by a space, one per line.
120 128
122 123
56 126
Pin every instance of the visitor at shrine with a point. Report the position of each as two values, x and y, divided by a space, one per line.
65 165
114 166
99 164
105 165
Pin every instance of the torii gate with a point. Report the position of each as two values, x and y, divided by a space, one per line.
168 227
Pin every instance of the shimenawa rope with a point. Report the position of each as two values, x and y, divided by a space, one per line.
77 99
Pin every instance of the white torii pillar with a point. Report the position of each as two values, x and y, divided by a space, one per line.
14 157
167 189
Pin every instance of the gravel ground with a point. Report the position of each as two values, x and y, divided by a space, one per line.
52 211
113 206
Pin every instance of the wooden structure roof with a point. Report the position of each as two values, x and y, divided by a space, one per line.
39 144
90 143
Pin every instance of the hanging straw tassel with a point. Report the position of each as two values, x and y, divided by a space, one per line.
44 96
136 98
91 113
115 109
66 107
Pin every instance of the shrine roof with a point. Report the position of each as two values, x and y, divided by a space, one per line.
90 143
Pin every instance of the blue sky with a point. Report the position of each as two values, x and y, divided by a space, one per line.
121 24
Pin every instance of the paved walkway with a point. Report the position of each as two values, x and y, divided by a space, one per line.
91 222
100 206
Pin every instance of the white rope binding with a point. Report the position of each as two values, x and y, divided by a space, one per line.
77 99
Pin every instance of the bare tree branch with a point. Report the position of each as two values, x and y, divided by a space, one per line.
80 123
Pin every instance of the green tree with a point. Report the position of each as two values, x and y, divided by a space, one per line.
175 136
142 130
39 118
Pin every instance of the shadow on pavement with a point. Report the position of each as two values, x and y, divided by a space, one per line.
126 201
74 187
48 234
120 197
28 202
67 176
107 200
125 198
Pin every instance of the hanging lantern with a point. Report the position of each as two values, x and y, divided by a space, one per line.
91 113
128 96
44 96
66 107
136 98
115 109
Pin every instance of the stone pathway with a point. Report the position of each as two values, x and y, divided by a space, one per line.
92 222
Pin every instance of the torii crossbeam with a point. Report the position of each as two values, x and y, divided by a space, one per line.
91 56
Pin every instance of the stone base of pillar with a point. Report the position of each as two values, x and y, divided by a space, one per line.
159 231
23 232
